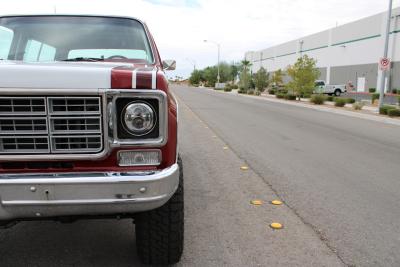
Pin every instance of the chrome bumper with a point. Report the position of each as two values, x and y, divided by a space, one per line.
24 196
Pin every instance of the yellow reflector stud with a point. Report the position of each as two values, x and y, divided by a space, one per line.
256 202
244 168
276 202
225 148
276 226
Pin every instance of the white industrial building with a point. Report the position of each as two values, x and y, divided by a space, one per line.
350 52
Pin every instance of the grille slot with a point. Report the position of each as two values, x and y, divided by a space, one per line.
76 124
23 125
51 125
76 143
24 144
22 105
64 105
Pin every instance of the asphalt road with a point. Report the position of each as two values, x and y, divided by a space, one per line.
337 176
340 175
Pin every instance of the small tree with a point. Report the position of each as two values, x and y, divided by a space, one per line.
234 71
303 74
210 76
277 78
196 77
261 79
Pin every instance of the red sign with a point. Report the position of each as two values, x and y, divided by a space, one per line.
384 63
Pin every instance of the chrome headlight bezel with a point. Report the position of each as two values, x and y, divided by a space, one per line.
158 136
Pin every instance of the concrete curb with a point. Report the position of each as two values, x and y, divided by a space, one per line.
323 108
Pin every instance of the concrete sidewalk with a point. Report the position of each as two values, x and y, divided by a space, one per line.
367 113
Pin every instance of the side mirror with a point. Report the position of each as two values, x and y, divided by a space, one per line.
169 64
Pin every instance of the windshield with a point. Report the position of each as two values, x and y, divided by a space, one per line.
55 38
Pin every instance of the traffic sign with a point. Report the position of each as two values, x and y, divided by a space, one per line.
384 64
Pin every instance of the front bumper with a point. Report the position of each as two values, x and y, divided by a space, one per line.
25 196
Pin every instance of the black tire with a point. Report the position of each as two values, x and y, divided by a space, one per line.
159 232
337 92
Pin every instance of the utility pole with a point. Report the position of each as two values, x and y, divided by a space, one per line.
385 54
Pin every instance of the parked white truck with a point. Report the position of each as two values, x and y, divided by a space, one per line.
335 89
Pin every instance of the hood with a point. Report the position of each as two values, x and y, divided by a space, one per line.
76 75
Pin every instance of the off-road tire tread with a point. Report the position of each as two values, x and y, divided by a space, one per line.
159 233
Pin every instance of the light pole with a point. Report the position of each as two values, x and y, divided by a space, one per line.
219 48
385 54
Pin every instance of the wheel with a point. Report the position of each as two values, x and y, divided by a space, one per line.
159 232
337 92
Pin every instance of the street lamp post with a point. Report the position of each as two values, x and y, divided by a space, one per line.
385 54
219 48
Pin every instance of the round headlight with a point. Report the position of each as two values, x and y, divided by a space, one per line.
138 118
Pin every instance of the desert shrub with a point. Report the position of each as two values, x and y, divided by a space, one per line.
250 92
280 95
282 91
271 91
384 110
329 98
372 90
290 97
227 89
258 93
234 86
242 91
350 100
318 99
374 97
358 105
394 112
340 102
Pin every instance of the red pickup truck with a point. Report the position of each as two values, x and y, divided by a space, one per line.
88 128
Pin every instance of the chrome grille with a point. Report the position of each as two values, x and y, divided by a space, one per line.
50 125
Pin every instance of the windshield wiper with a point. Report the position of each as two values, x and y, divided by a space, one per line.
91 59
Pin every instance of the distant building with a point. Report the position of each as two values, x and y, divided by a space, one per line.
350 52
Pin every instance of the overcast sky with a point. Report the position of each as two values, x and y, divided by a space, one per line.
180 27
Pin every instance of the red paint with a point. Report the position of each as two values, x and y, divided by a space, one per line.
121 78
143 79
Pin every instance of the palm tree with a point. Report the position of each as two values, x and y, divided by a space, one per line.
245 67
245 64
